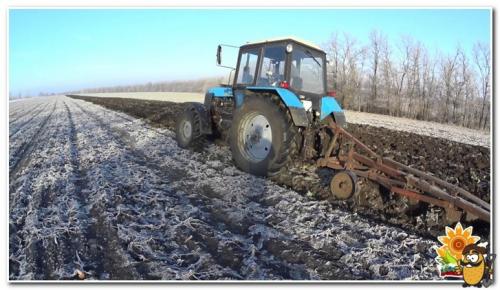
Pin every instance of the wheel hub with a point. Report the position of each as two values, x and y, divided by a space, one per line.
187 129
257 137
342 185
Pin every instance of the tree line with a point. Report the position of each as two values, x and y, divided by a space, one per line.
407 80
198 85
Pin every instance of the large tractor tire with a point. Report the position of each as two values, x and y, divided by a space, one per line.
187 130
262 137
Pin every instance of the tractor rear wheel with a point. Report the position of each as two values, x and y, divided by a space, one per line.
262 135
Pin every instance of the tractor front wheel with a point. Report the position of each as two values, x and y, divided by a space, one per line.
187 129
262 135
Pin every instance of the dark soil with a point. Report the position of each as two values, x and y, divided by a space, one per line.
160 113
464 165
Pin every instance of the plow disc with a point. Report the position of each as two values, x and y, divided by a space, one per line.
350 158
343 184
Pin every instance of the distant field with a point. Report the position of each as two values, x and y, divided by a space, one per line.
176 97
426 128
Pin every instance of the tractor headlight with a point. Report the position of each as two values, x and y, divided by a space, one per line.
289 48
307 105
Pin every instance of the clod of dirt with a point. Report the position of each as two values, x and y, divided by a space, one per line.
80 274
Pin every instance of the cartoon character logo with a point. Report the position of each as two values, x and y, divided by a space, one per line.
460 258
476 265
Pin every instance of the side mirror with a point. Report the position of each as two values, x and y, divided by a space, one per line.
219 50
219 55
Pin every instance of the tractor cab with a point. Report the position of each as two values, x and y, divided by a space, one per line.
284 63
292 69
272 110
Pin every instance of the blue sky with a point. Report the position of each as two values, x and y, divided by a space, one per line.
55 50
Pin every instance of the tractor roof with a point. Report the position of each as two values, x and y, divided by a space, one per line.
283 39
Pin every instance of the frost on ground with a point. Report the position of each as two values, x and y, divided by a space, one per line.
103 193
450 132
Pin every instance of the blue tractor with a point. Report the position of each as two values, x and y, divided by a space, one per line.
272 111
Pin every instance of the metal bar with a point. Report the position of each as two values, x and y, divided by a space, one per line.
359 143
399 188
453 200
339 129
380 166
331 162
418 196
441 182
386 182
229 45
331 145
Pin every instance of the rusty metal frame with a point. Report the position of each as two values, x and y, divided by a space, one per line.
399 178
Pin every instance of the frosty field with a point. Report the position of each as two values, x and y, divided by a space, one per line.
99 193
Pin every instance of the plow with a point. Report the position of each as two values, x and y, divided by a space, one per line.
350 158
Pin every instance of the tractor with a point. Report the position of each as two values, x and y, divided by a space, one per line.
277 109
271 111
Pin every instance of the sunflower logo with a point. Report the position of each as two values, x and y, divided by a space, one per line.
451 249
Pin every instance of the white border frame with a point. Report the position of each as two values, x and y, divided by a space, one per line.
226 5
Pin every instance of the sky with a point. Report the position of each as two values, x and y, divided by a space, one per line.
57 50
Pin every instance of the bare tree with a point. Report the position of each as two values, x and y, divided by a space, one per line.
410 81
377 40
448 67
428 86
345 56
482 58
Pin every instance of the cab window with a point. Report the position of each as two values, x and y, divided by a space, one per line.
306 73
272 71
248 66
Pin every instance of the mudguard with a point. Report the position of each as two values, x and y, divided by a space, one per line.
221 92
217 92
295 106
329 105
